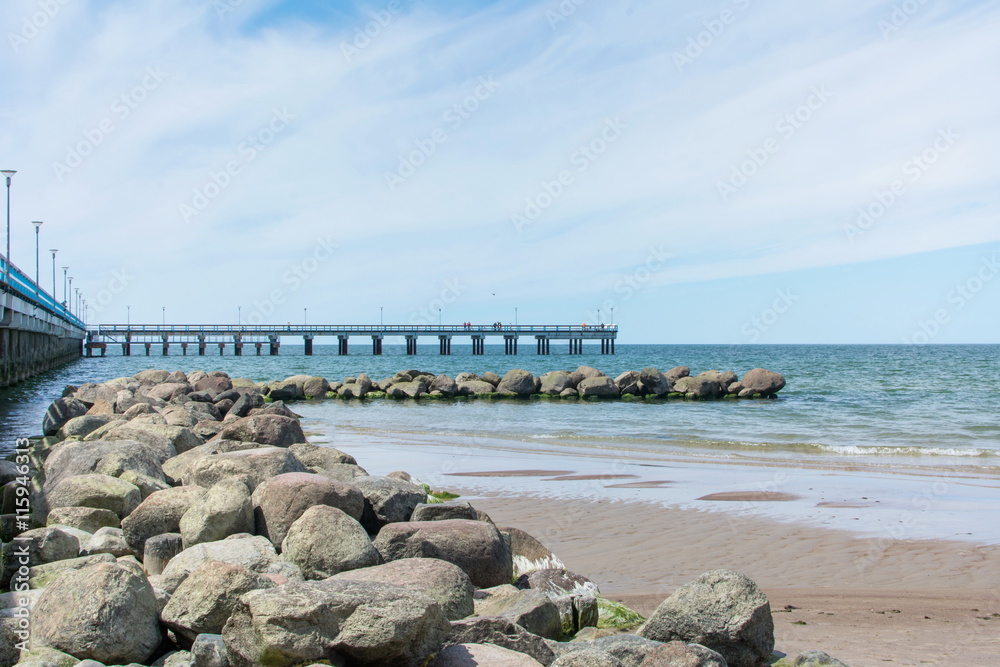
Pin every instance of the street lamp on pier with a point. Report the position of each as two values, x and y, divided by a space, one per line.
38 226
128 316
380 315
54 251
65 303
305 317
164 322
7 174
515 316
612 316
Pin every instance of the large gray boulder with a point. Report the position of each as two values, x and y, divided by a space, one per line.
209 651
444 385
475 546
387 500
108 540
723 610
517 382
557 581
324 541
78 427
760 381
61 411
97 491
160 513
503 632
654 383
245 403
224 510
629 650
274 430
677 372
600 387
484 655
44 545
102 612
354 622
147 434
629 382
444 582
87 519
816 659
279 501
254 553
699 386
314 456
588 657
102 457
679 654
254 466
443 511
475 387
555 382
206 599
532 610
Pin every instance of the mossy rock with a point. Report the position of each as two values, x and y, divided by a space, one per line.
376 394
676 394
630 398
268 399
613 614
331 394
309 397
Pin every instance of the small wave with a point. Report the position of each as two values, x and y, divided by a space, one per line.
545 436
862 450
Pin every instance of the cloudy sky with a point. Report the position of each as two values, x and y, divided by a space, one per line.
734 171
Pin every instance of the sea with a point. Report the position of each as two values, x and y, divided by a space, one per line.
854 417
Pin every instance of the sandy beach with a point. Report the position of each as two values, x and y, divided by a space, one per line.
910 602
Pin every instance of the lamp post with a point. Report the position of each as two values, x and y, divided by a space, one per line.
128 316
7 174
38 226
239 315
65 273
598 316
164 322
305 317
53 251
380 315
439 317
69 300
76 304
515 316
612 316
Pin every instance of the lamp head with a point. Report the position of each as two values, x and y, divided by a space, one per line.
37 224
7 172
53 251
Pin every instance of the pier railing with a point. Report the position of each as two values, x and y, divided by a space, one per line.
26 289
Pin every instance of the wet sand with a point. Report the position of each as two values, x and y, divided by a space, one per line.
864 601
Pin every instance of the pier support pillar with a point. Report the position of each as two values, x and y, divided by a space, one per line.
542 345
444 345
376 346
411 345
342 345
222 349
148 345
478 345
238 349
308 340
126 349
184 349
274 344
258 346
510 345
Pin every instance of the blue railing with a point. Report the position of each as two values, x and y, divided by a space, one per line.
157 329
25 288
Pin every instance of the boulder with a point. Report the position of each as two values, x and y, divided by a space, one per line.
475 387
722 610
557 581
255 553
103 408
630 650
169 390
148 434
108 540
724 378
209 651
443 511
178 467
138 409
215 383
160 550
444 385
250 465
110 458
492 378
555 382
44 545
274 430
677 372
78 427
816 659
442 581
679 654
87 519
414 389
324 541
41 576
245 403
226 509
387 500
281 500
517 382
101 612
501 632
600 387
486 655
588 657
206 599
528 553
90 393
332 620
152 376
61 411
760 381
341 472
160 513
285 391
475 546
313 456
466 377
532 610
699 387
629 382
97 491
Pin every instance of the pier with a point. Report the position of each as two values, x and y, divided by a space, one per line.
199 339
37 332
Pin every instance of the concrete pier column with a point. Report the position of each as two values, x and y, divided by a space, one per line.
184 349
274 344
166 345
444 345
478 345
258 346
342 345
222 349
201 346
308 340
126 350
411 345
238 349
376 345
148 345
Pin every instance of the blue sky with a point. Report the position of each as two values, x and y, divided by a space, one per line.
723 172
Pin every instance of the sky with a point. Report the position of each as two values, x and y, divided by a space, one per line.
731 171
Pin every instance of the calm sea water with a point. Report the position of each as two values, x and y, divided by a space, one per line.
925 405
